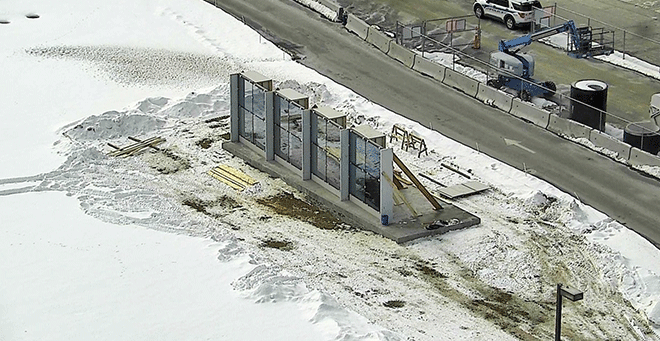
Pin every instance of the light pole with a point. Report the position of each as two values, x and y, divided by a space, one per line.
570 293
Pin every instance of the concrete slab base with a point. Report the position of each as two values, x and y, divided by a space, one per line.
404 227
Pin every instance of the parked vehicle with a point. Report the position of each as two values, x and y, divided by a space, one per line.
512 13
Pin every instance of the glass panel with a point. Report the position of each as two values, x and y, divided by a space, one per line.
283 150
248 126
241 92
372 165
241 122
372 192
259 103
259 132
332 172
248 95
333 133
357 182
318 161
360 152
295 121
295 151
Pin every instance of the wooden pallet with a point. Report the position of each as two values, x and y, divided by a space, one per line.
232 177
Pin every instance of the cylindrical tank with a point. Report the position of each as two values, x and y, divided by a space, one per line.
643 135
592 97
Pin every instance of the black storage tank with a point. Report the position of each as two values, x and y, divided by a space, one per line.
592 95
643 135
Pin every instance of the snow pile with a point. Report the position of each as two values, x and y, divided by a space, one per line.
319 7
258 260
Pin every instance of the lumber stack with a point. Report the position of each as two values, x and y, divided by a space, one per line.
232 177
136 147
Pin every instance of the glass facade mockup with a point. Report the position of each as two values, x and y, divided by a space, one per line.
364 170
252 113
326 149
288 131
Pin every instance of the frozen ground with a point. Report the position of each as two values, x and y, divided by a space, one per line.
244 259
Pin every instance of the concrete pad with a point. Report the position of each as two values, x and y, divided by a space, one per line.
403 229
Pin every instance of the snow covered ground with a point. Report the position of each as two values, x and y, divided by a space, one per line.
152 247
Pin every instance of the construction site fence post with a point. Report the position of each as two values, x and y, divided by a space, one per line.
233 130
307 144
270 126
386 191
344 162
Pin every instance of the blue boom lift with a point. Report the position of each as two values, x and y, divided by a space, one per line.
522 64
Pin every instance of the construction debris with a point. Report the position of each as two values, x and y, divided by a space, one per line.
418 184
137 147
232 177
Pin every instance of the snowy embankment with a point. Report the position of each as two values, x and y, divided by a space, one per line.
279 277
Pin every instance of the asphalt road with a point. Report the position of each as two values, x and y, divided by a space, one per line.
625 195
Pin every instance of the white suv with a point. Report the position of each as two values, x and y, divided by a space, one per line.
511 12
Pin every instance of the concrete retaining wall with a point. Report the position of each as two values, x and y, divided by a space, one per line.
640 157
379 39
401 54
461 82
568 127
527 112
429 68
605 141
357 26
330 4
494 97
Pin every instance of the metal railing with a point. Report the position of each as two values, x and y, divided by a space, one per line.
624 41
488 72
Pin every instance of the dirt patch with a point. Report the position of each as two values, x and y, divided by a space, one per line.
277 244
394 304
288 205
205 143
426 270
212 208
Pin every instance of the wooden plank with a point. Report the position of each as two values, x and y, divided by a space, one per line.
228 177
418 184
238 174
432 180
152 144
225 181
397 175
138 140
400 195
133 147
453 169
